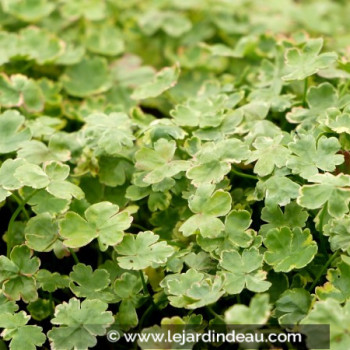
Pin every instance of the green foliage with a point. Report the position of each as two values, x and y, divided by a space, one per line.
174 158
258 311
243 271
208 206
141 251
162 81
78 80
293 305
102 221
308 157
19 333
192 289
332 313
16 274
12 132
88 284
308 61
79 324
289 249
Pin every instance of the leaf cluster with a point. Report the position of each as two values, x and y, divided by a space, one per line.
172 162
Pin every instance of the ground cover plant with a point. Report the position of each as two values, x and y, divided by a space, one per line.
172 162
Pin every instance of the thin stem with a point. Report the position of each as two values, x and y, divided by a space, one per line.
324 268
322 214
144 285
323 241
19 202
75 257
177 244
14 217
52 303
324 133
345 87
145 289
148 310
139 227
305 91
171 98
27 66
145 314
247 176
210 309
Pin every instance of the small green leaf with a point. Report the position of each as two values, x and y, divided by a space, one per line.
114 171
7 306
43 202
332 313
109 133
162 81
289 249
192 289
32 95
50 282
338 231
41 309
320 99
89 284
9 41
278 190
243 271
338 283
142 250
7 170
56 171
213 161
269 153
221 50
127 315
308 156
89 77
22 336
327 189
41 232
104 39
236 224
208 206
293 216
37 152
258 312
12 133
79 324
10 96
159 163
59 187
173 23
93 10
28 10
32 175
338 122
102 221
128 285
40 45
308 61
76 231
293 305
16 274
